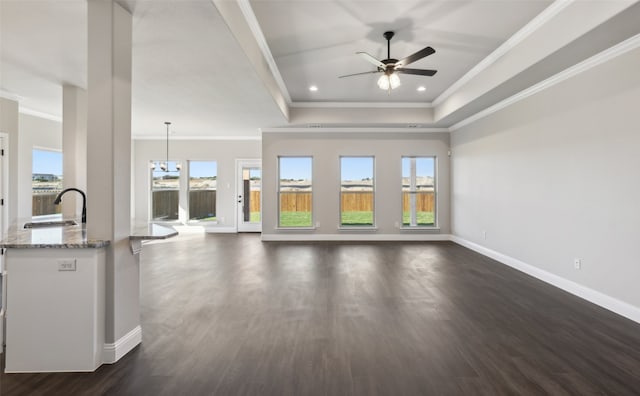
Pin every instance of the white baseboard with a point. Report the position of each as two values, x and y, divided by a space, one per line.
220 230
111 353
605 301
355 237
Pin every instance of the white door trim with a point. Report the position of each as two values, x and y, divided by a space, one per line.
240 225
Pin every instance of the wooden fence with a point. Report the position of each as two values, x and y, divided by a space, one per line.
356 201
295 202
425 201
165 204
202 204
254 201
42 204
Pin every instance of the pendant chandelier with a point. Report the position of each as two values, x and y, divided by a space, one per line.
164 166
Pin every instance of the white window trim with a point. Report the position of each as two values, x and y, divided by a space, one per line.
191 221
364 227
151 190
435 226
280 227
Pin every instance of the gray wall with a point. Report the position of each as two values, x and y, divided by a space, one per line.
225 152
556 177
326 149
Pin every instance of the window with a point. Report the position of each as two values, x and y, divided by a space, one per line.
46 182
165 192
295 192
356 191
202 190
418 191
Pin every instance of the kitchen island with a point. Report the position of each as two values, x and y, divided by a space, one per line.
56 297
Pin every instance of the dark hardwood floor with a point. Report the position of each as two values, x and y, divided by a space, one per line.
231 315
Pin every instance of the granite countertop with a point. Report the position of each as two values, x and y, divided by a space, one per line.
151 231
75 237
68 237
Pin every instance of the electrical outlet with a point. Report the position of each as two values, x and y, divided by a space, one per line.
66 264
577 263
317 224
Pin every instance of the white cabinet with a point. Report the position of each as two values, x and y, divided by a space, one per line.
3 298
55 316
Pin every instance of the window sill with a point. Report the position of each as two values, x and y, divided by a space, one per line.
295 228
420 228
358 229
202 222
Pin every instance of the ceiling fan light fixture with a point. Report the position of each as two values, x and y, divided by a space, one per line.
389 81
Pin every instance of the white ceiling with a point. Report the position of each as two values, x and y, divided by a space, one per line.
191 67
314 42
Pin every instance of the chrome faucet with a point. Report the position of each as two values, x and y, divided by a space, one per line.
84 201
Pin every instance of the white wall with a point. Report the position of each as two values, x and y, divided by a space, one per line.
556 177
35 132
326 149
225 152
9 124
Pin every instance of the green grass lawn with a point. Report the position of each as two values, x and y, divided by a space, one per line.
254 217
424 218
356 218
295 219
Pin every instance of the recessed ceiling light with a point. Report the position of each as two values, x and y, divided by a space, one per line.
421 88
313 88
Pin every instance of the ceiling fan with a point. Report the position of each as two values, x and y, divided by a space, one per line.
391 67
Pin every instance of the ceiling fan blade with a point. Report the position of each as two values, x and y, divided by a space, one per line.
420 72
371 59
357 74
414 57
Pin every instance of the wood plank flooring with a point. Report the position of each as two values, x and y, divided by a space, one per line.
231 315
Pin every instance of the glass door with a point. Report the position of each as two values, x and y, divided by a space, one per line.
249 195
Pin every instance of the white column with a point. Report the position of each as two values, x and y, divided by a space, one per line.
74 147
109 167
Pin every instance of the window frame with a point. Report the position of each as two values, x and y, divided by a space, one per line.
51 216
279 193
151 189
371 226
188 185
435 194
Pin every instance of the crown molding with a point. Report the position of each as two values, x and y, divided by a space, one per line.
173 137
352 105
10 95
39 114
598 59
353 130
545 16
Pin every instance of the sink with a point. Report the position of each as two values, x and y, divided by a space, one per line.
59 223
